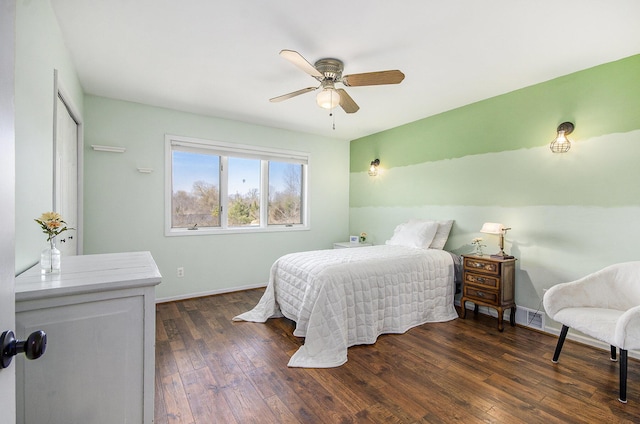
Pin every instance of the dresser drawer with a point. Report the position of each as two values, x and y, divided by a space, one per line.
481 265
482 280
473 293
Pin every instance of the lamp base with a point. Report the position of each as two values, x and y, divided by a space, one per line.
502 256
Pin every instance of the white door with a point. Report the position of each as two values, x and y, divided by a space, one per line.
66 176
7 199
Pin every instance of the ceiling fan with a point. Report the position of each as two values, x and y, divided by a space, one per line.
329 72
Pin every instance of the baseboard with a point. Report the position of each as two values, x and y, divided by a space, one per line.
209 293
535 319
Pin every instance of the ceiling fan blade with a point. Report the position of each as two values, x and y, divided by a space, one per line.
373 78
346 102
293 94
302 63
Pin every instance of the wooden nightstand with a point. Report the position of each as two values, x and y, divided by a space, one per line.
489 282
348 245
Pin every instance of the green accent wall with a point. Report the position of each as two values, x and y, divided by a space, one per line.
571 214
601 100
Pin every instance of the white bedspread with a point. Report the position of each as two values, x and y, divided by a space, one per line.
344 297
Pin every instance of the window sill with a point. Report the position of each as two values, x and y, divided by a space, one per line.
180 232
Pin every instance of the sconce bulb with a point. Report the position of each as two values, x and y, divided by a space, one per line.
373 169
561 144
561 138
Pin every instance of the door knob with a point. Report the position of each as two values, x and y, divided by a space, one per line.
33 347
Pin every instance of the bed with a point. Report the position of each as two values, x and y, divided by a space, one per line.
345 297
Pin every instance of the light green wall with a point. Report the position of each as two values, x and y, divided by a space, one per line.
124 209
571 213
39 50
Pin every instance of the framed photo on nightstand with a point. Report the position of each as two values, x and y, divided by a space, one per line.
354 239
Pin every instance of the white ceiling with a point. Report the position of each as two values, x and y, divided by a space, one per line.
220 58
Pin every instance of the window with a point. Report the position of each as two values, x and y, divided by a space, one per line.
243 197
285 193
215 187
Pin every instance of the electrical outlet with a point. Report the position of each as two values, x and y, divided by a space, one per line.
180 272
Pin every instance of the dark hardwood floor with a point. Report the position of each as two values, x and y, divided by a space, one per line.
212 370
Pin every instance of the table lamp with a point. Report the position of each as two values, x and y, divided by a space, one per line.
501 230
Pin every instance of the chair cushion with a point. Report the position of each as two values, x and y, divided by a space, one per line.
598 323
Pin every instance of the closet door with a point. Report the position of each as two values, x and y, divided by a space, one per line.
66 177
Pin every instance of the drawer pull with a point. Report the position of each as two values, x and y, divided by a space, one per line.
479 294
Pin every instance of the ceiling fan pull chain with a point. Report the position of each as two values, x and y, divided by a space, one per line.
333 117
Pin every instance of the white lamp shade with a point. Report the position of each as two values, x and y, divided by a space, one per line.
328 98
492 228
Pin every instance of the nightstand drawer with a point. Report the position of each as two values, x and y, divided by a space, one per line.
483 280
482 265
473 293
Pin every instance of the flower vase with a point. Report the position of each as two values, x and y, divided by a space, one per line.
479 250
50 259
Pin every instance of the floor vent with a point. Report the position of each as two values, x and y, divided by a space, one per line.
530 318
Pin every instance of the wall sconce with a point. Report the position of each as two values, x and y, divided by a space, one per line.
373 169
561 143
501 230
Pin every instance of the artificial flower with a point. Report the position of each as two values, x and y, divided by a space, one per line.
52 224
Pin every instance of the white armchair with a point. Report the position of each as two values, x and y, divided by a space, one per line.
604 305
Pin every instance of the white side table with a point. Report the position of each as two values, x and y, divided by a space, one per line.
347 245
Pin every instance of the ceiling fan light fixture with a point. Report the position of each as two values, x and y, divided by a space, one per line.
328 72
328 98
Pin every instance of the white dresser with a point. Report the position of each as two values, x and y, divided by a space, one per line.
99 316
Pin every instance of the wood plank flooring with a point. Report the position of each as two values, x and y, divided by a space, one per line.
212 370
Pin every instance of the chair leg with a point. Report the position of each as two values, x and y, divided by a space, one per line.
563 335
613 353
623 376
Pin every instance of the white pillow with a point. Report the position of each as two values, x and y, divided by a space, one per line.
415 233
440 239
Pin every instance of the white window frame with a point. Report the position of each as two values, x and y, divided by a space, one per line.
224 150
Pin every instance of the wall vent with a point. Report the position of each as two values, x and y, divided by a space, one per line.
530 318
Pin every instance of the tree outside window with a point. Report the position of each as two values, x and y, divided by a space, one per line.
221 187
